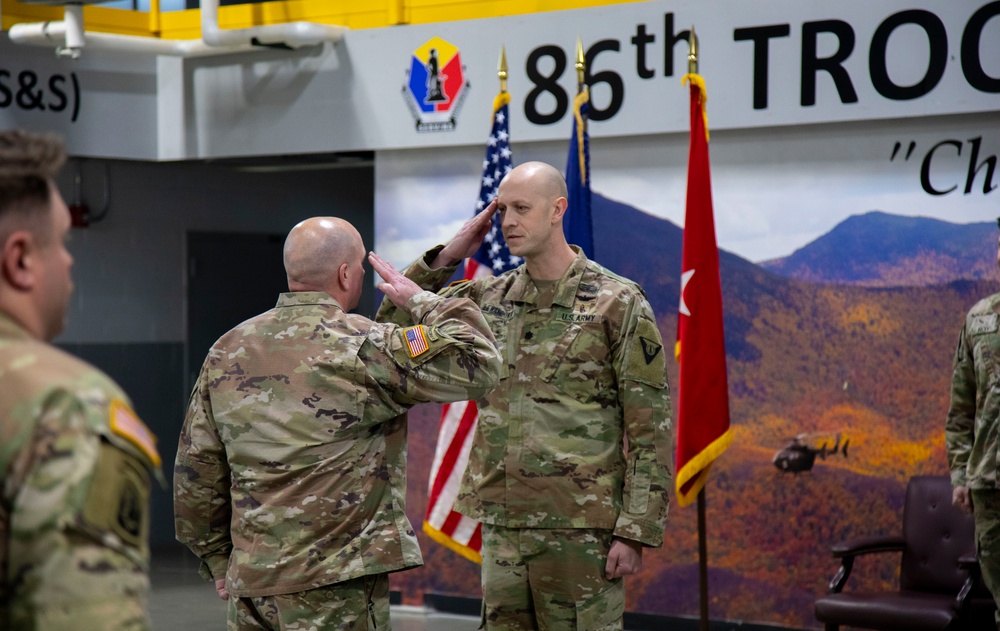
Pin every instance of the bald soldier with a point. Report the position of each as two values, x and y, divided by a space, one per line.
75 460
570 465
290 480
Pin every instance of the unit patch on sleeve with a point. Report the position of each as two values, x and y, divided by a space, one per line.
126 424
645 361
416 340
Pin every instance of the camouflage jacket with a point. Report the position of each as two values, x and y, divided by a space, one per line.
291 470
971 429
74 512
582 372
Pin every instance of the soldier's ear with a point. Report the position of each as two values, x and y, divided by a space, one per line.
559 209
18 260
343 280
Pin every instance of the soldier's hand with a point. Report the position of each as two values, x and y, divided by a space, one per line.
396 287
468 239
220 588
962 498
624 558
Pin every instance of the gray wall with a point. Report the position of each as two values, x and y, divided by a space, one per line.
128 311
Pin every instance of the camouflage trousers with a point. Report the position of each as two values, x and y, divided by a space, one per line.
986 510
549 580
361 604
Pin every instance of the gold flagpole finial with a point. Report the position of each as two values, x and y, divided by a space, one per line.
580 65
502 69
693 52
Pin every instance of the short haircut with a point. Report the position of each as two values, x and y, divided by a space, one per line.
28 163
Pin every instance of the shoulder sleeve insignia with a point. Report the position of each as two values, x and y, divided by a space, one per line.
126 424
416 340
644 359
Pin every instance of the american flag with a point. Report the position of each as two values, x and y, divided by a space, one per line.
458 420
416 340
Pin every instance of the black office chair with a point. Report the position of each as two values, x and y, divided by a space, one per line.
940 587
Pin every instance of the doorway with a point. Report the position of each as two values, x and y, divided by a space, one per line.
231 277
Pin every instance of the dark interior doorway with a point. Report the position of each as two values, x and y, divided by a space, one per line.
231 277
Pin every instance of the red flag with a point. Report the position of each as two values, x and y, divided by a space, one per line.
458 420
703 402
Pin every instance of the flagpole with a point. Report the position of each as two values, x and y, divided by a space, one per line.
702 560
702 536
502 69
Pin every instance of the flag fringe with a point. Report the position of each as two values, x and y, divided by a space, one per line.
452 545
696 469
501 99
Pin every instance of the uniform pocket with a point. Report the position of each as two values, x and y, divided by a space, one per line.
579 364
603 611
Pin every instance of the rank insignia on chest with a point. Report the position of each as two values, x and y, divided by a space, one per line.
416 340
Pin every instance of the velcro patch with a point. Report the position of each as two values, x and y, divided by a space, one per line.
983 324
126 424
118 500
416 340
645 361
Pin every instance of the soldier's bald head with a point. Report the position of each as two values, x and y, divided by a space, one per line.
545 178
316 248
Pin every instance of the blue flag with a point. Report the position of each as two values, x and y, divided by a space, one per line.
576 221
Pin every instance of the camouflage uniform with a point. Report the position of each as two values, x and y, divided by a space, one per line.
584 370
972 427
74 513
291 470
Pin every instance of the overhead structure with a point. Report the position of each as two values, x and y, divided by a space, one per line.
68 38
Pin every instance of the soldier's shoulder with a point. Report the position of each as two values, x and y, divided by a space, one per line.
989 304
612 284
42 380
36 366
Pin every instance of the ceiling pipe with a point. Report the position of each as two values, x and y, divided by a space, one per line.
68 38
289 35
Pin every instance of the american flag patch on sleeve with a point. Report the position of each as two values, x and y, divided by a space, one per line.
416 340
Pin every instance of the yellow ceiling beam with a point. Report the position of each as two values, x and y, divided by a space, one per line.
375 13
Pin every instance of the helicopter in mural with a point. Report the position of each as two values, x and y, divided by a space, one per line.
798 455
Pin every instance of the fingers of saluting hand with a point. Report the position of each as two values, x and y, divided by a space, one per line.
482 222
382 267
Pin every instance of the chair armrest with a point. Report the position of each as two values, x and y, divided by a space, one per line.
867 545
970 564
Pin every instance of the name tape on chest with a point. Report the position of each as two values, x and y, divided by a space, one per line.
983 324
126 424
416 340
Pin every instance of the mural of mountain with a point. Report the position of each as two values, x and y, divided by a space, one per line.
881 250
872 363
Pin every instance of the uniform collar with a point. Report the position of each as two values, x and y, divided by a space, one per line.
11 329
299 298
524 290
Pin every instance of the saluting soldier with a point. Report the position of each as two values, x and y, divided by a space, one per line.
75 460
566 508
290 480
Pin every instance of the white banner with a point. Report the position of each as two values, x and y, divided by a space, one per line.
773 63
